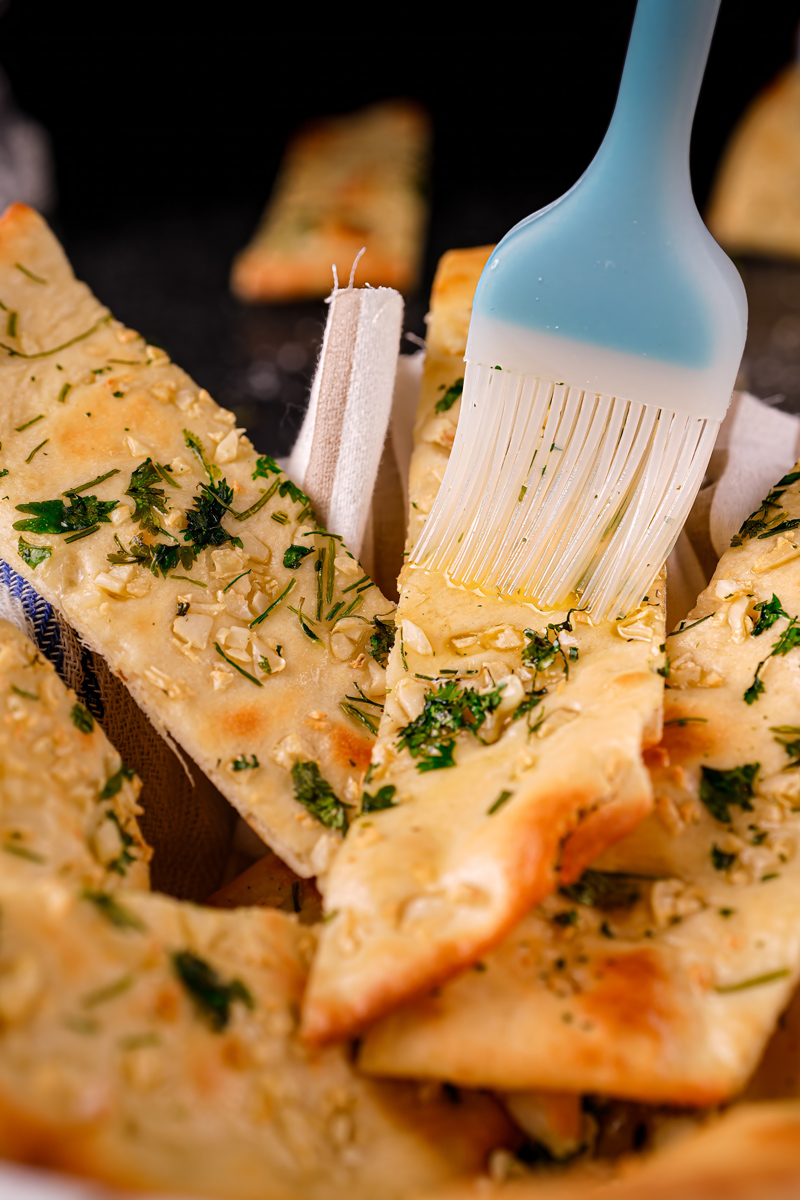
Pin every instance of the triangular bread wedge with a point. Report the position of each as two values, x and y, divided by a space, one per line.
151 1044
747 1153
68 805
510 750
246 651
661 976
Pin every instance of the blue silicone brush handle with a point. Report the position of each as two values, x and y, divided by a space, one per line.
623 260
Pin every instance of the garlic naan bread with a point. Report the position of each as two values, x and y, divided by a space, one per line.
195 567
509 755
748 1153
152 1044
68 804
661 974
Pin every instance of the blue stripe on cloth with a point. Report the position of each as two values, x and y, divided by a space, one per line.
48 635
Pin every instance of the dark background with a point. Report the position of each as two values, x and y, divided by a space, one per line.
167 126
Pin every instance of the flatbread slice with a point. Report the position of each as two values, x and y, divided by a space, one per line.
195 567
661 976
748 1153
510 751
345 183
68 804
151 1044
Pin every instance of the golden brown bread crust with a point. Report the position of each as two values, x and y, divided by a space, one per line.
123 1060
748 1153
345 183
68 805
421 890
105 401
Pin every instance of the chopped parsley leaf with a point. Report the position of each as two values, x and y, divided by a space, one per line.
382 640
790 740
245 762
114 783
265 466
54 516
720 789
33 555
499 802
769 611
203 526
159 557
383 798
147 496
211 995
113 911
452 394
448 709
603 890
295 555
314 792
721 859
82 719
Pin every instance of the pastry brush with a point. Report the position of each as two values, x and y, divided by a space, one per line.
605 337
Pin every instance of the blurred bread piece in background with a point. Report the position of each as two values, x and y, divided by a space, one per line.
344 183
755 203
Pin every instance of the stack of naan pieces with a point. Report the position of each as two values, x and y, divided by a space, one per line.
542 920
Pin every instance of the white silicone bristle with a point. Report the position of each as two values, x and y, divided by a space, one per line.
553 493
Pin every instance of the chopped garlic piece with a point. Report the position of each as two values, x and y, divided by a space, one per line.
193 629
184 399
112 583
254 548
228 448
227 562
164 390
464 641
740 624
179 465
174 688
414 638
512 695
410 695
346 565
341 646
501 637
348 625
222 677
782 552
137 450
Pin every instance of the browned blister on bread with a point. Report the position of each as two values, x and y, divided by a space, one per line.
195 567
510 750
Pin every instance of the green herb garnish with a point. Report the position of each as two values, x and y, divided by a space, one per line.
84 487
245 762
18 691
382 640
27 424
82 719
211 995
114 783
265 466
113 911
203 526
720 789
148 496
448 710
295 555
55 349
36 450
499 802
756 981
274 604
790 740
236 666
383 798
314 792
452 394
769 611
721 860
32 555
157 557
196 446
54 516
604 889
30 274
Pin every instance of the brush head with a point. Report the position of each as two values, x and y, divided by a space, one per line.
557 495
